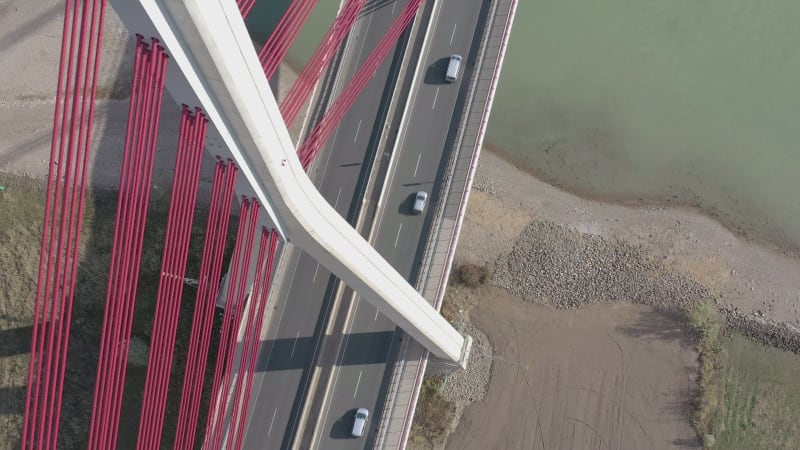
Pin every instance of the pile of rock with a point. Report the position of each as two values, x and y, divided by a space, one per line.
564 268
470 385
764 331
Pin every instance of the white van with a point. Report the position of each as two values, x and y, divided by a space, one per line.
360 422
453 68
419 202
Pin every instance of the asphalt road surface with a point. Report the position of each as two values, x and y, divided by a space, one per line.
428 131
284 361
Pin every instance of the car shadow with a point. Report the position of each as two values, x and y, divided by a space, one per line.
436 71
342 427
406 207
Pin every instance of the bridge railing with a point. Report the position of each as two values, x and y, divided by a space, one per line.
460 172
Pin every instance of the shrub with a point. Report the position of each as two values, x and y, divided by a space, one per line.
433 414
473 275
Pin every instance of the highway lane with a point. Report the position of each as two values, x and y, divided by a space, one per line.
419 165
284 361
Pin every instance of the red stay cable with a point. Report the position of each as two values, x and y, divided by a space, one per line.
211 422
212 293
311 147
53 381
240 307
72 244
262 304
124 241
247 342
102 382
305 82
187 390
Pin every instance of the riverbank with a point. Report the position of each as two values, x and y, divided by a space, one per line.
677 105
759 285
555 249
749 230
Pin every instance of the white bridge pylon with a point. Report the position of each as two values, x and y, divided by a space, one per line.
209 43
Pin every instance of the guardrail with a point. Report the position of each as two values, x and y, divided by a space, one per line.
363 225
465 195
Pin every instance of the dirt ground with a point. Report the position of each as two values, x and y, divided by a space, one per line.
30 35
609 375
605 376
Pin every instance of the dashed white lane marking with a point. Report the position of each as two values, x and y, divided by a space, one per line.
296 337
314 280
417 167
358 128
434 98
358 382
454 34
398 234
272 422
336 203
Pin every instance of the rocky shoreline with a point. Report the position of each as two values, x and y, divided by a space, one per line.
552 247
551 264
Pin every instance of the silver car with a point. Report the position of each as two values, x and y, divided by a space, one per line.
419 202
360 422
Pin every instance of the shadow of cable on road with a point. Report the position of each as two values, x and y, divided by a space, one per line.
373 5
360 350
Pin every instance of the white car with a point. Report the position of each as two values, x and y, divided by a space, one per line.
419 202
360 422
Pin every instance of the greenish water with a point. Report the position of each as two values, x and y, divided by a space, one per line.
266 14
688 101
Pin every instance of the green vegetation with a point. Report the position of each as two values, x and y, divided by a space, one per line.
761 398
747 393
21 210
708 324
433 414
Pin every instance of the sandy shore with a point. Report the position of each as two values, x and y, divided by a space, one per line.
756 281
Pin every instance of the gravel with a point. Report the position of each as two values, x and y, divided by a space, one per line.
564 268
764 331
470 385
558 266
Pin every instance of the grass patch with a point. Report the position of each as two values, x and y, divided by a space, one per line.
433 414
708 324
21 210
761 398
747 393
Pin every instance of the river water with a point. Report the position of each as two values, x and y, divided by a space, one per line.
686 102
266 14
695 102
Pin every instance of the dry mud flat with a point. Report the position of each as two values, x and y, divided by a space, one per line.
611 375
